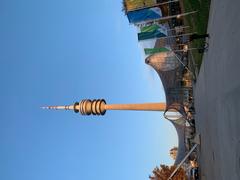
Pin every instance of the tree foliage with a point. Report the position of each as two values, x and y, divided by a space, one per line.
164 172
124 7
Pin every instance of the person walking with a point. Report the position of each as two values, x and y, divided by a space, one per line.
198 36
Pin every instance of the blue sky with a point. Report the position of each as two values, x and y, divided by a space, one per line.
61 51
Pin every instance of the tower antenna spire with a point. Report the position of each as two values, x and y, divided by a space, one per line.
67 107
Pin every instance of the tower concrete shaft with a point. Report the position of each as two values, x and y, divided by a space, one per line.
99 107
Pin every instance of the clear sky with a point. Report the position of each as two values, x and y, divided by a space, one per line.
55 52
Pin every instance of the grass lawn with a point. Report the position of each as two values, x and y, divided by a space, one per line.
198 22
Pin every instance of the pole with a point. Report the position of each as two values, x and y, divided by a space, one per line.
183 64
183 50
165 37
165 18
184 159
186 34
180 27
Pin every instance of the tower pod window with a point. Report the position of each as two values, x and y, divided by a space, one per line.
172 114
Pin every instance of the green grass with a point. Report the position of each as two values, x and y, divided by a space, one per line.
198 22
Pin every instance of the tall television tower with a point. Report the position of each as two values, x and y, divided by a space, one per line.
99 107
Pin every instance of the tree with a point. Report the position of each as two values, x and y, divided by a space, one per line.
164 172
124 7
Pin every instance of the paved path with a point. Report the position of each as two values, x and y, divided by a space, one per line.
218 95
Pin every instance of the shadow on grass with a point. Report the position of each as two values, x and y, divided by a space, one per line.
198 22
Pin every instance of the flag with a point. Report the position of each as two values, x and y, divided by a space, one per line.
135 4
150 28
152 31
154 27
144 14
150 35
149 51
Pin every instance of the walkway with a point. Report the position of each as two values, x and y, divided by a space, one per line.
218 95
